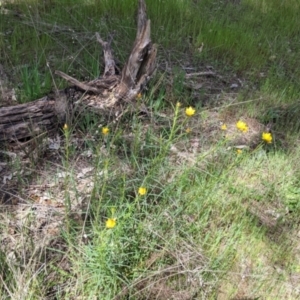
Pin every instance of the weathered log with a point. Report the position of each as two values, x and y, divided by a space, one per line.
107 92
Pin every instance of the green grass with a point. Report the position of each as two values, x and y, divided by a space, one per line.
214 224
257 40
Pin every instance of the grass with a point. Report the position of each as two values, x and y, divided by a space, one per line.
213 223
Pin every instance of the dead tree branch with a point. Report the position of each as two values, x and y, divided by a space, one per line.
107 92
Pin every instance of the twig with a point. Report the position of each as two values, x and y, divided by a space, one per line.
77 83
207 73
110 65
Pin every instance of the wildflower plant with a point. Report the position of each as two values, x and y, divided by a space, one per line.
110 223
142 191
267 137
224 127
174 128
242 126
66 131
190 111
105 131
67 134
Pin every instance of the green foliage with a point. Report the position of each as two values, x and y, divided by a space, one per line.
249 37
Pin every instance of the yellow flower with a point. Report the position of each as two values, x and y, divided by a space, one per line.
142 191
242 126
190 111
267 137
66 127
105 130
239 151
110 223
188 130
139 96
178 104
223 127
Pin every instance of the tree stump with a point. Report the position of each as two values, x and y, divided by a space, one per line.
106 93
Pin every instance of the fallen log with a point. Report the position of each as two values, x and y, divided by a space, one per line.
106 93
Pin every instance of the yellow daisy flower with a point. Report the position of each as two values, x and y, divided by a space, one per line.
110 223
142 191
223 127
242 126
190 111
105 130
267 137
